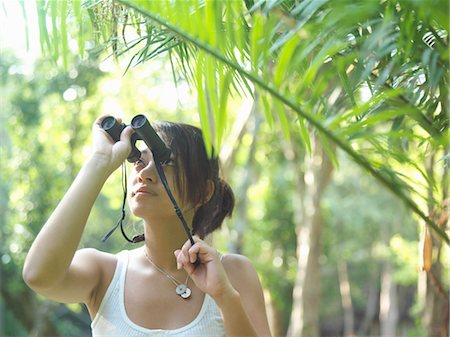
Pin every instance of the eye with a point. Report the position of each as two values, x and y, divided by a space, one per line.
139 163
169 162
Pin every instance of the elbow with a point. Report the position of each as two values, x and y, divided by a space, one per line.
29 276
33 278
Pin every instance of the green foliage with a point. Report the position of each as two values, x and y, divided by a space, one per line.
45 127
308 60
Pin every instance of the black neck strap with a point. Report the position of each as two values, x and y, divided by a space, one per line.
163 178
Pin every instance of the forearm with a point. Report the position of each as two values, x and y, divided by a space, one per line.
235 319
52 251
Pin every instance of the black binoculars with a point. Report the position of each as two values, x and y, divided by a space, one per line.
143 131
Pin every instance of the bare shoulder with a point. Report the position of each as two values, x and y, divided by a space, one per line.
236 261
240 271
95 261
95 256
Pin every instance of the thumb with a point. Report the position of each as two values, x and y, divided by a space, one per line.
122 148
126 133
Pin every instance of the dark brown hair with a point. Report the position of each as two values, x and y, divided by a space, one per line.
195 172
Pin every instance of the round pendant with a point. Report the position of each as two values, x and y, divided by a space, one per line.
186 294
180 289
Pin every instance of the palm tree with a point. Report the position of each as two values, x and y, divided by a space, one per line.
367 77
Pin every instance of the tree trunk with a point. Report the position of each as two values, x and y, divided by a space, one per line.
346 298
304 319
388 303
435 318
371 308
436 312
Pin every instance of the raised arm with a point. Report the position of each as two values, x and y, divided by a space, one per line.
52 266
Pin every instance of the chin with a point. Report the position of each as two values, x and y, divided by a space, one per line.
143 211
138 210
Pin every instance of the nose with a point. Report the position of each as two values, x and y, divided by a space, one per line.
149 173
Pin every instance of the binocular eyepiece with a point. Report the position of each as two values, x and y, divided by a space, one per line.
143 131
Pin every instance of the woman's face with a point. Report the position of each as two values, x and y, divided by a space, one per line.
148 196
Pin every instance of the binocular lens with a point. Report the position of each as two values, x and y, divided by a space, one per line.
108 123
138 121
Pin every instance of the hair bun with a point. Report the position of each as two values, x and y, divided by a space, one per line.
210 215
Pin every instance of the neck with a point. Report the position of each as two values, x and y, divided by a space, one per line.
162 240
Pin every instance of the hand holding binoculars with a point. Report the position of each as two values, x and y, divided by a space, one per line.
143 131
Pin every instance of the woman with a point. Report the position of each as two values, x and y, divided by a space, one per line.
159 288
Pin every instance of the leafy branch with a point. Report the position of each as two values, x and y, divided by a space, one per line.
381 175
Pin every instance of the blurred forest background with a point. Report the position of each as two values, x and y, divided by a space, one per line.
332 122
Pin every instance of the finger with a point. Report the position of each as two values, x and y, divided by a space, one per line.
126 133
182 259
192 255
186 246
194 251
204 252
178 259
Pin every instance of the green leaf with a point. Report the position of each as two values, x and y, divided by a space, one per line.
211 8
79 19
203 104
282 118
24 13
334 122
255 41
43 31
64 38
266 108
346 82
54 15
329 149
304 134
283 61
222 110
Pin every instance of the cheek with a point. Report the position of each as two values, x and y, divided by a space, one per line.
132 179
132 206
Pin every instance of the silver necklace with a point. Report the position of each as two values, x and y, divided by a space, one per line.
181 289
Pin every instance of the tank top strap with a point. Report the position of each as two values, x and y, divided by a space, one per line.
122 264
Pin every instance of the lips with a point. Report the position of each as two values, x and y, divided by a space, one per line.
143 190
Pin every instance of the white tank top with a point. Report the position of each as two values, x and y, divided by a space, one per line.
112 320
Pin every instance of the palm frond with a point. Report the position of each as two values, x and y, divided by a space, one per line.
299 56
